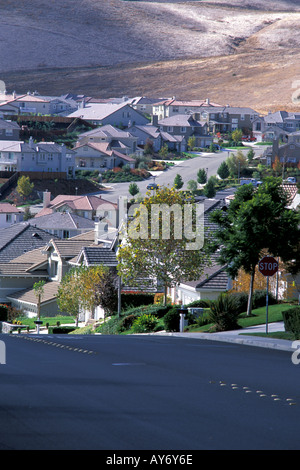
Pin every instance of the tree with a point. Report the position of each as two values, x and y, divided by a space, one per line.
24 187
223 171
178 182
192 185
201 176
133 189
164 151
191 142
86 287
256 221
161 244
250 155
38 288
236 163
209 188
69 294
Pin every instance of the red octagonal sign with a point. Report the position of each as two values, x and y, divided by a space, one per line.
268 266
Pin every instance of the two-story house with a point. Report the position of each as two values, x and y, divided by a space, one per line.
276 126
9 214
176 130
99 156
120 140
42 156
9 130
287 153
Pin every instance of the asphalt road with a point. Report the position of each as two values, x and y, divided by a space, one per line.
187 169
146 393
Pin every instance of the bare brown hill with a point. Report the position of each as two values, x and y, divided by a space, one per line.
237 52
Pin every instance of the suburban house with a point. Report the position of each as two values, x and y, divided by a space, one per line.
287 153
117 114
100 156
146 133
33 103
228 118
119 140
276 125
42 156
89 207
169 107
63 224
50 263
8 109
9 215
9 130
211 284
176 130
144 104
20 238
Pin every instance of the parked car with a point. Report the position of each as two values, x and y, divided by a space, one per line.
250 181
291 179
153 186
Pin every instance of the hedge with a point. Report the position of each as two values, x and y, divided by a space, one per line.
291 320
61 329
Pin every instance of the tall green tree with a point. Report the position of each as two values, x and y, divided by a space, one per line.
178 182
236 163
201 176
133 189
236 136
24 186
223 171
256 222
210 188
161 243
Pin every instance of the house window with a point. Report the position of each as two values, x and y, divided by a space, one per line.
183 129
54 265
242 117
8 218
66 234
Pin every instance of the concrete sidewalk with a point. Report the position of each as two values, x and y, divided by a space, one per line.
243 336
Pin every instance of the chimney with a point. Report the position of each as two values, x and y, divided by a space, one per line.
207 101
101 229
154 120
30 142
46 198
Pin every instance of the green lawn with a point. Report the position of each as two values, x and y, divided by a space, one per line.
258 317
51 320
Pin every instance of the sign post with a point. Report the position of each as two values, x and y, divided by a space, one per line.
267 266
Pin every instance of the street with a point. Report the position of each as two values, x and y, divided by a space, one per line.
187 169
146 393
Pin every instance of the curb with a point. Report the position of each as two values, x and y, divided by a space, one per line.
269 343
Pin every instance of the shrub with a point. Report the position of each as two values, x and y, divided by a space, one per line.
224 313
171 320
291 320
241 301
259 299
135 299
3 312
60 329
144 324
201 303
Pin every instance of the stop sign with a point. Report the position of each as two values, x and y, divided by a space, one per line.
268 266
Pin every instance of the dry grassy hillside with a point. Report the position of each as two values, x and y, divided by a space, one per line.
234 52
